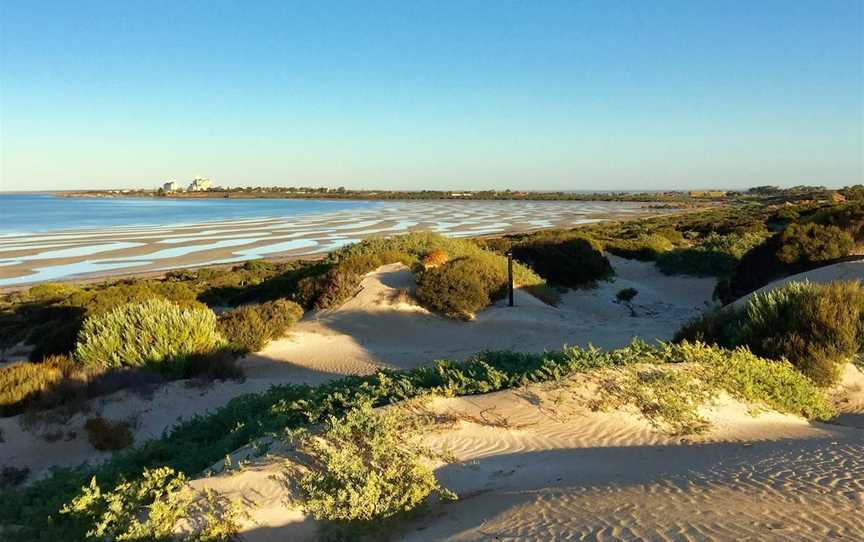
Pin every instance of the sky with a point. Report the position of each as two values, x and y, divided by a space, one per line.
470 94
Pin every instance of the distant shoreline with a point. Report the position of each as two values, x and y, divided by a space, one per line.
678 197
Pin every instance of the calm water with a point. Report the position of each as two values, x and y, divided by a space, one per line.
43 212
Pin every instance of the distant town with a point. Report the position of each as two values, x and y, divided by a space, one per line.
203 187
198 184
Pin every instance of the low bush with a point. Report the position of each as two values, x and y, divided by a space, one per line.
457 289
50 291
155 333
626 295
715 256
250 327
25 383
107 435
811 243
329 289
151 508
645 247
827 234
244 329
817 327
13 476
365 470
668 397
571 263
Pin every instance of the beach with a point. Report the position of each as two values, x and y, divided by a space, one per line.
306 229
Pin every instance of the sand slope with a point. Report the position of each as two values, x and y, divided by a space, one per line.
532 466
372 330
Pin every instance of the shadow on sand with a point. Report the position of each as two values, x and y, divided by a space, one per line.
784 489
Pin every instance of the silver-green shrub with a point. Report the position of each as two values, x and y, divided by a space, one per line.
153 332
151 507
365 468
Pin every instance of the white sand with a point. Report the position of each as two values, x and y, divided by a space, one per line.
536 464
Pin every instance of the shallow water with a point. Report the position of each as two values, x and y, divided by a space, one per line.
49 238
45 212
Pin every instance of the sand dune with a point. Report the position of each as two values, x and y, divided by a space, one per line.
534 463
531 467
375 329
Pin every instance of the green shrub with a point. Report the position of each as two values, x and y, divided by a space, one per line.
759 381
107 435
715 255
572 263
797 248
250 327
667 396
151 507
714 327
219 364
459 289
755 269
626 295
809 243
279 315
244 329
646 247
366 469
817 327
22 383
329 289
50 291
155 333
99 301
785 215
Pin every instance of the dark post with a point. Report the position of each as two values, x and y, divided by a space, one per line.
510 276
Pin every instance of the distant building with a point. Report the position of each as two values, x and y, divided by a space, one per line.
200 184
707 194
171 186
461 194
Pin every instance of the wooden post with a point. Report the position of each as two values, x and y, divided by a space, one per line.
510 276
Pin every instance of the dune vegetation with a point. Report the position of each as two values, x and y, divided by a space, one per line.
744 246
194 445
817 327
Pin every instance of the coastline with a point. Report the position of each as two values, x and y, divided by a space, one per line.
93 253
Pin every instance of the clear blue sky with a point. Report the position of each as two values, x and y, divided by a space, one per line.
573 95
